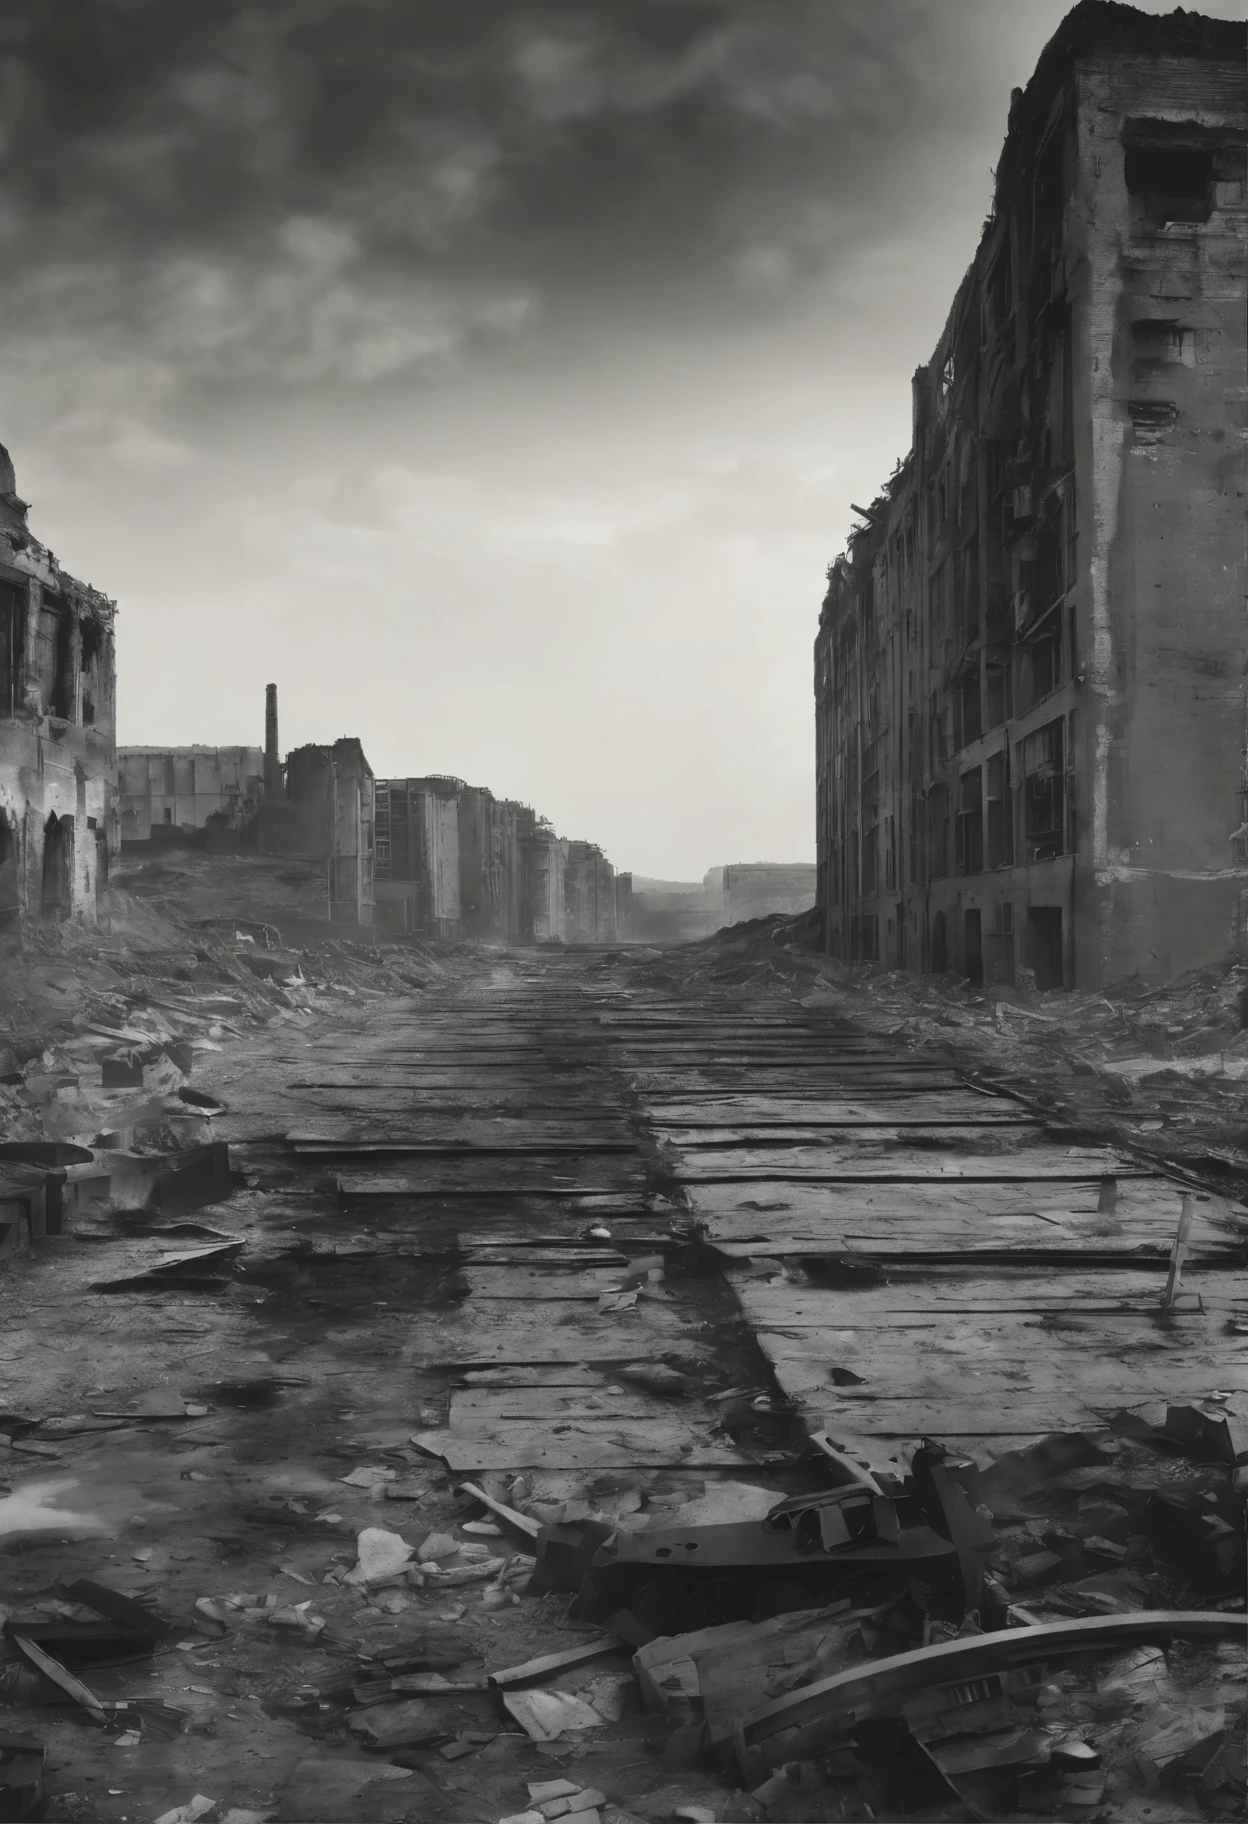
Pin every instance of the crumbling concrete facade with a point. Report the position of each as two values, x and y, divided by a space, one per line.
1030 666
756 889
589 892
175 793
328 810
456 862
418 854
58 757
491 864
545 897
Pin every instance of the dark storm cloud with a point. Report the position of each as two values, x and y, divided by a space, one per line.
297 190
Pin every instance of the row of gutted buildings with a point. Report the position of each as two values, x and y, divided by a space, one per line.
1030 668
430 854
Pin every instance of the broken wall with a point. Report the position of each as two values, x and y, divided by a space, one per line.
756 888
174 791
418 854
329 811
546 860
589 891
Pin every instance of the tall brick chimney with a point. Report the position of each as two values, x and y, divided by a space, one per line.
272 755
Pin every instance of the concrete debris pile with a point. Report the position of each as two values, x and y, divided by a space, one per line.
972 1683
101 1033
1079 1641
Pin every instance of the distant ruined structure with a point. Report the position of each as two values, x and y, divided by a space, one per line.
454 860
1030 668
58 762
167 793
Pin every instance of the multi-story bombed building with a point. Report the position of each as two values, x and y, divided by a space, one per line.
417 860
1030 667
589 893
58 759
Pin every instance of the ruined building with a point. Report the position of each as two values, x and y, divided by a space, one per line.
545 898
589 892
1030 667
757 889
171 794
58 760
417 864
327 810
455 861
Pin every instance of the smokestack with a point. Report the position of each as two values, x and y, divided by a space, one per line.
272 757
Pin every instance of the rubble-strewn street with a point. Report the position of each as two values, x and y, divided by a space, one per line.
501 1321
422 1467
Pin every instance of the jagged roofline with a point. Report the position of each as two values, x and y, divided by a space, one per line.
1088 23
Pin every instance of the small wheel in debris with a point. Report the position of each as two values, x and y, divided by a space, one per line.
717 1600
780 1596
657 1606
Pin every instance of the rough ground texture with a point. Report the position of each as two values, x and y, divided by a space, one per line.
1161 1068
482 1199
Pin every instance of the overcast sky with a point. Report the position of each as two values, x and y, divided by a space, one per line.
494 375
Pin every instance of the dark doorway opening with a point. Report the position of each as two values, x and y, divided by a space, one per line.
973 932
9 906
1044 945
55 896
939 945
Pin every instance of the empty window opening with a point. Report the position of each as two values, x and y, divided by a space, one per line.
12 646
1170 183
55 895
1000 812
1048 580
1044 793
970 832
1044 945
1157 343
53 661
1000 692
1040 660
968 708
1152 419
91 655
